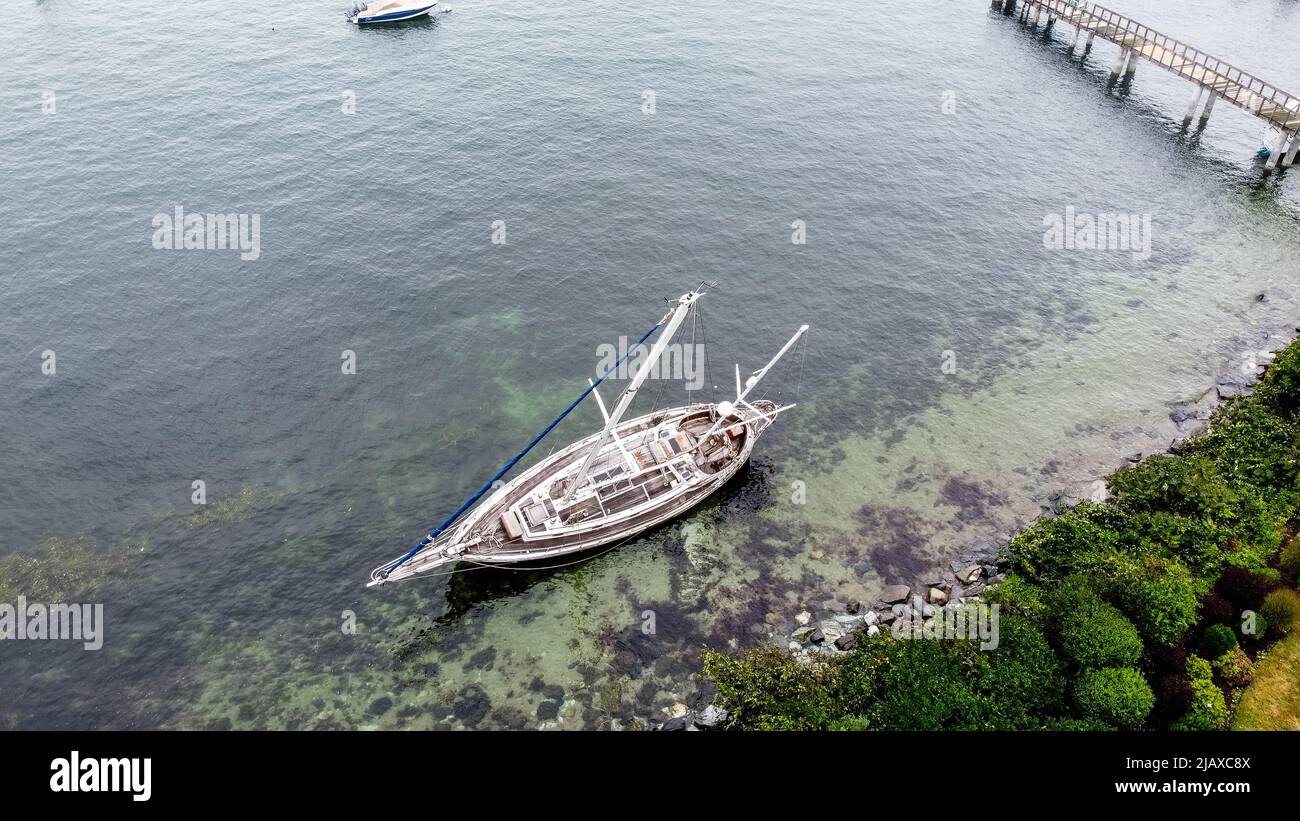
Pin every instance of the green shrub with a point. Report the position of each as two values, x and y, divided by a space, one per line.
1187 485
1076 540
767 689
1024 676
1280 389
1018 595
1251 445
1098 635
1235 668
1281 610
1118 696
1209 711
1289 561
1218 639
1261 629
1161 597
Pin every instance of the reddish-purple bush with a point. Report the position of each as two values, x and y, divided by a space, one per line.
1168 659
1215 609
1173 694
1244 589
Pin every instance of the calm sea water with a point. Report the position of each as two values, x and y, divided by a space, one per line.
924 226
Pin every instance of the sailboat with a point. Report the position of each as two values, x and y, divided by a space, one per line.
609 486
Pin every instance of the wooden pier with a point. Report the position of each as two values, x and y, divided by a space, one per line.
1213 77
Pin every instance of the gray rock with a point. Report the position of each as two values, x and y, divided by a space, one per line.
803 617
937 596
710 716
817 636
928 611
674 724
871 618
873 630
845 642
969 574
894 593
802 633
853 607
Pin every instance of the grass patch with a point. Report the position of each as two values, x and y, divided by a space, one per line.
1272 702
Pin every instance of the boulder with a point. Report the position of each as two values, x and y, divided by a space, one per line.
803 617
802 633
710 716
937 596
894 593
970 574
845 642
817 636
873 630
674 724
853 607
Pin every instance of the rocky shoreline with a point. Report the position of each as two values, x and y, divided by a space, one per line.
811 635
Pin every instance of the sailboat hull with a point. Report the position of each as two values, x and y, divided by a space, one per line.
654 469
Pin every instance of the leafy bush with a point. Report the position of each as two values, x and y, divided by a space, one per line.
1209 711
1261 629
1251 445
766 689
1025 675
1281 610
1244 588
1098 635
1280 389
1017 595
1289 561
1160 596
1218 639
1235 668
1187 485
1118 696
1051 549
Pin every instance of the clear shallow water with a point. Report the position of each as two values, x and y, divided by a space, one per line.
924 235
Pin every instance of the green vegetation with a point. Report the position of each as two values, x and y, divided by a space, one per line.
1118 696
1281 610
1272 701
1101 608
1218 639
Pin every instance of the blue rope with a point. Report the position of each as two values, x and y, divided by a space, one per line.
508 465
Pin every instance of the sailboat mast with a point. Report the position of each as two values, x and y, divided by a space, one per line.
674 320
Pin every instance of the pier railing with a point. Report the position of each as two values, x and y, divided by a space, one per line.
1241 88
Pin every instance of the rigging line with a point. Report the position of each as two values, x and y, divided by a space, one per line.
508 465
708 368
695 325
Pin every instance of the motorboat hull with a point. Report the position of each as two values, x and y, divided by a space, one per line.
361 19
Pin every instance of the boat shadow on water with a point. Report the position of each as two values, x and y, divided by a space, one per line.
475 588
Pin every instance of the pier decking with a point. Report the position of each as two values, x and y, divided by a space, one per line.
1279 108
